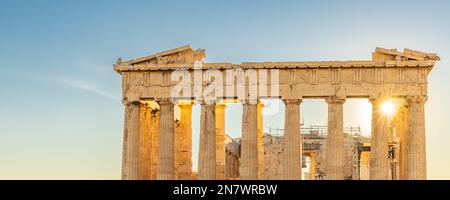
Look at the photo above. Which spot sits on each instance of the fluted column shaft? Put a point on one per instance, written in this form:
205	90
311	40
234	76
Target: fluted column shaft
313	158
154	124
220	141
379	161
185	168
165	170
261	167
145	142
249	143
400	123
131	166
416	138
207	152
292	144
335	140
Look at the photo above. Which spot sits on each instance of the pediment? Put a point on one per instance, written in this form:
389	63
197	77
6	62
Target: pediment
407	54
181	55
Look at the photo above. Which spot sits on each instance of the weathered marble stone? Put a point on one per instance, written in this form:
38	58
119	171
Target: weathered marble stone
150	150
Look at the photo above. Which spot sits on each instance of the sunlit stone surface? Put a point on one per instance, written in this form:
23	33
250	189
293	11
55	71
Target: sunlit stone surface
155	146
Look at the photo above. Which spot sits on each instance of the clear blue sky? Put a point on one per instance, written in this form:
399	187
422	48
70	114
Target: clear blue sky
60	112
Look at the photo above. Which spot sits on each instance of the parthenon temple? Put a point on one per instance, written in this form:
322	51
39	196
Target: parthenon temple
158	92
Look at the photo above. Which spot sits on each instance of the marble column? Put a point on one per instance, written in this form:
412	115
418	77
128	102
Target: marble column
358	164
249	142
416	138
165	170
154	124
207	151
292	143
177	154
261	168
185	165
313	157
220	141
334	163
400	122
131	143
145	143
379	161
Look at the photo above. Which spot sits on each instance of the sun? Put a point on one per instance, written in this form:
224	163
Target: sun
388	107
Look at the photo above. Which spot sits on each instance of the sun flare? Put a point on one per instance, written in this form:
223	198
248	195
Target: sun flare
388	107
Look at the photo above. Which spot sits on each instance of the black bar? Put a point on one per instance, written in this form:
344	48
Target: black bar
215	189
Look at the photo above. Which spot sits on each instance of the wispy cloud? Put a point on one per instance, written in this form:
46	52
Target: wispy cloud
86	86
80	84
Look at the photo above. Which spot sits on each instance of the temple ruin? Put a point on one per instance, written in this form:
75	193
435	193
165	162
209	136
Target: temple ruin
158	92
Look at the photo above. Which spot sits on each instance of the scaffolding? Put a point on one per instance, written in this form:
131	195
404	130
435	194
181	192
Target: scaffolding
320	130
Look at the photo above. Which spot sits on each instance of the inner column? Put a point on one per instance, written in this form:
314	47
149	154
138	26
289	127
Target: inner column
249	143
313	157
154	124
185	165
261	167
292	144
379	161
145	144
335	142
166	141
220	141
400	122
207	151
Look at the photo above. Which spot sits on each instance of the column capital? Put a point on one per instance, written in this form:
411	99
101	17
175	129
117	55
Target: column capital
164	101
185	105
335	100
127	102
376	101
207	102
250	101
292	101
416	99
260	104
221	106
145	106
